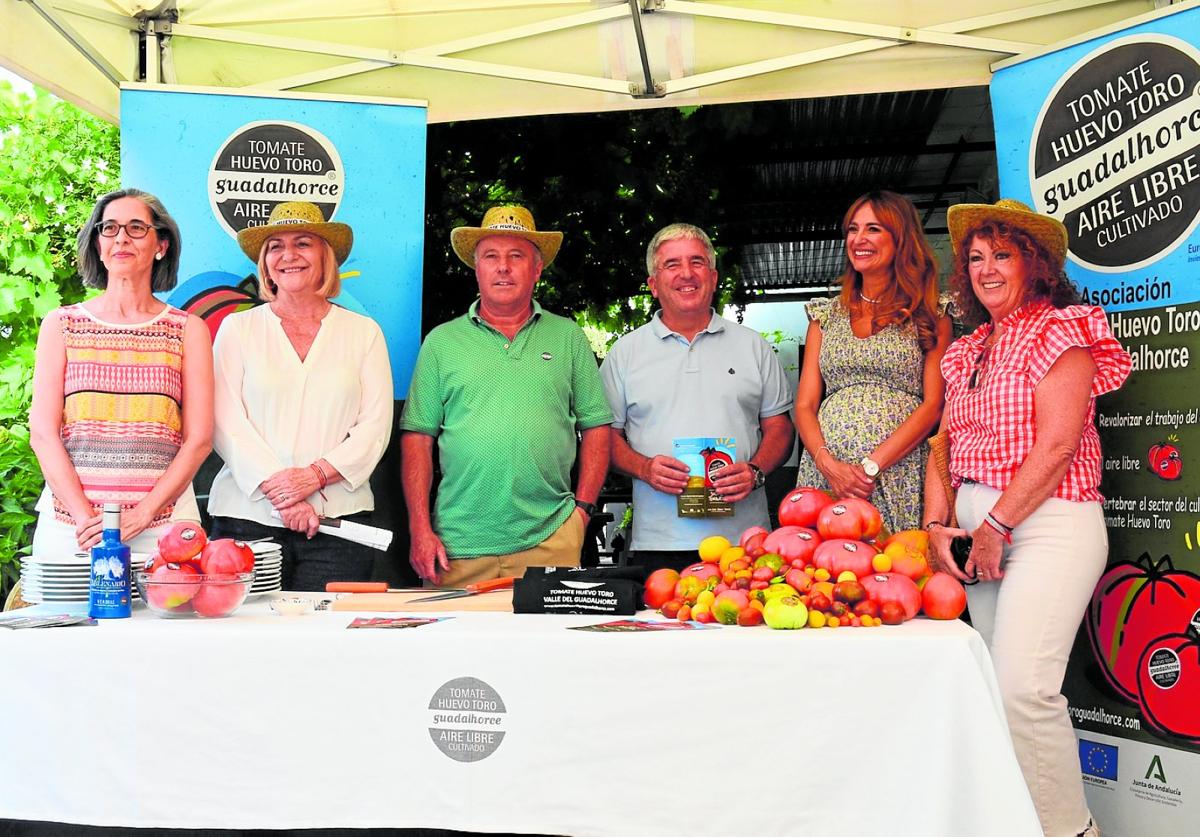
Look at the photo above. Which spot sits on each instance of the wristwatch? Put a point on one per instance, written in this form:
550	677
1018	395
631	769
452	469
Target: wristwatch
760	479
870	466
588	508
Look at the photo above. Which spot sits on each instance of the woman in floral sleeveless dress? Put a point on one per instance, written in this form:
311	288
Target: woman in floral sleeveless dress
870	389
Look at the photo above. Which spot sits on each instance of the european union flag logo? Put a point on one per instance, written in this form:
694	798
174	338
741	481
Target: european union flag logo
1096	759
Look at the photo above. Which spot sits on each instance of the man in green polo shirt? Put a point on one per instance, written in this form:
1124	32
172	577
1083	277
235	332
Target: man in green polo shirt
503	390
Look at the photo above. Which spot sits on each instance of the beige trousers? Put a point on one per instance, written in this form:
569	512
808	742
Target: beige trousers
561	549
1029	620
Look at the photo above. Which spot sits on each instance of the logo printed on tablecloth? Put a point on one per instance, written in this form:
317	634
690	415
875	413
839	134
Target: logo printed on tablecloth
466	719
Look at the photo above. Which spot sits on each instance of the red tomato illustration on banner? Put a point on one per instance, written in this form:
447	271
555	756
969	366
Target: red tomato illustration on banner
216	303
1169	684
1165	460
1134	603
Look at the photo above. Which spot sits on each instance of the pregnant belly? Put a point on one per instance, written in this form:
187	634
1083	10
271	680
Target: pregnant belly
868	412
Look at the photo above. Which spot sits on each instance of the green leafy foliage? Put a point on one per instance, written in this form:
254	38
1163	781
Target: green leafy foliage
608	181
55	160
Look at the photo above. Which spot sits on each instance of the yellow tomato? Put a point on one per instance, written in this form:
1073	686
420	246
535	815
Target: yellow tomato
729	556
713	547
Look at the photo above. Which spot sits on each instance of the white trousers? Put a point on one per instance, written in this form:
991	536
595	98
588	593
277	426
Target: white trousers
1029	620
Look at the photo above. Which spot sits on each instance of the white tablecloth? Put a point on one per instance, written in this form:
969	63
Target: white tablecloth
265	721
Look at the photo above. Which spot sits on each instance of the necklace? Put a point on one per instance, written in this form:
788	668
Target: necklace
866	298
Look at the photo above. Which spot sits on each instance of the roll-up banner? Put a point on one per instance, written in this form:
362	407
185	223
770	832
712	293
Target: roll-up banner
1105	136
221	161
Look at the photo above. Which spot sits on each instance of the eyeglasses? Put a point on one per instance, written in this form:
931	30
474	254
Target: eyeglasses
134	229
980	363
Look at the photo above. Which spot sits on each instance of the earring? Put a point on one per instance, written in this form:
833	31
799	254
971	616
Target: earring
158	256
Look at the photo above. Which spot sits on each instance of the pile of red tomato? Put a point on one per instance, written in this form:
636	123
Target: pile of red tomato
825	566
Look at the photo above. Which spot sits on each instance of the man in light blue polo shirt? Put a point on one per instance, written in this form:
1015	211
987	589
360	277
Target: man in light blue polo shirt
688	374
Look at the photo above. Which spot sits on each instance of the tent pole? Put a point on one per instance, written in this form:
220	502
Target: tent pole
76	40
152	53
651	90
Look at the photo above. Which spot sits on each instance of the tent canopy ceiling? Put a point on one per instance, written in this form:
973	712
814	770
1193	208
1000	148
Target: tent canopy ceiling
473	59
862	95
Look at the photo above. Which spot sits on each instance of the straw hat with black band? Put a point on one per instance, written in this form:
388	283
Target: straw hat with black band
1049	232
297	216
505	220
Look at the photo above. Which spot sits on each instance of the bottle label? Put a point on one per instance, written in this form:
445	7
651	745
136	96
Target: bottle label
109	589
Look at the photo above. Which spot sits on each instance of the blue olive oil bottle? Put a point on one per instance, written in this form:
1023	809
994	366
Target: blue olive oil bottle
109	591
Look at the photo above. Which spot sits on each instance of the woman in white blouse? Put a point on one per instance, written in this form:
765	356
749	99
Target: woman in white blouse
303	403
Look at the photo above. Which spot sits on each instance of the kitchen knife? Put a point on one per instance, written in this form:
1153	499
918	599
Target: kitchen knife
367	587
505	583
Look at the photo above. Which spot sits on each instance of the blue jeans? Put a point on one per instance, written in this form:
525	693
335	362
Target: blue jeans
307	564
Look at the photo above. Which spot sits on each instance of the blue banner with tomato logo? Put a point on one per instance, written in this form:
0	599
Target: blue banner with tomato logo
1105	136
221	161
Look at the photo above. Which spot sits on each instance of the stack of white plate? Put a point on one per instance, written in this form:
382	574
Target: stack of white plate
268	568
65	578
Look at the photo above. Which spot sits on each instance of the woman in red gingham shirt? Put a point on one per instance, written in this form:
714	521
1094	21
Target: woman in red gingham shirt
992	422
1025	456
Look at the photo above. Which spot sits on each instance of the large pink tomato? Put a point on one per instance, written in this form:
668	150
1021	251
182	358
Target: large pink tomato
702	570
850	518
802	505
172	585
892	587
225	556
750	533
219	596
943	597
182	542
796	543
841	554
1134	603
660	587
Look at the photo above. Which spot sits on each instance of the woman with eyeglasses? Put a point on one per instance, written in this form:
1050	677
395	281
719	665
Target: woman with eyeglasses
1025	454
870	392
122	387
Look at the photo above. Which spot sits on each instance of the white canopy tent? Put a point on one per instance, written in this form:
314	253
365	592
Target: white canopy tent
473	59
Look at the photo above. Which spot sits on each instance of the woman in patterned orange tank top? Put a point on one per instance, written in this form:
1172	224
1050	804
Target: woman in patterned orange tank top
122	386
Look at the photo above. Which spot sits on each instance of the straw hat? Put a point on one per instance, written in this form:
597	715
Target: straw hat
1047	231
297	216
505	220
